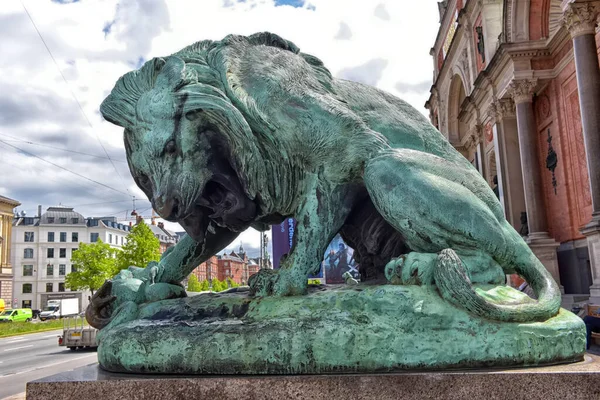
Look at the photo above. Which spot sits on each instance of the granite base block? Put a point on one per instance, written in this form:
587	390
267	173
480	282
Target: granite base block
579	381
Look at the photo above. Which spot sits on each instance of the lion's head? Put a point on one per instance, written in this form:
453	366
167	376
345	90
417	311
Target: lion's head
196	141
182	138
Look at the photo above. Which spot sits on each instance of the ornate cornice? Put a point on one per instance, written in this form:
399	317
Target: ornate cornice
522	90
581	18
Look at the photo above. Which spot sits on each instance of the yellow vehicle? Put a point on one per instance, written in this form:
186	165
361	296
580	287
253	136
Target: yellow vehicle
16	315
2	305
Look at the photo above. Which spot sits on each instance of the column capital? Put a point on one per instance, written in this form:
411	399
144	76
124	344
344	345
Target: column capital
500	109
522	90
581	18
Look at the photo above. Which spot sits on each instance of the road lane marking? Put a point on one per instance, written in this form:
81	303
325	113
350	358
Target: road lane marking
20	347
55	335
47	365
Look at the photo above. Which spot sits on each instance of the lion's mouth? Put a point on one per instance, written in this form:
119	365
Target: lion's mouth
223	204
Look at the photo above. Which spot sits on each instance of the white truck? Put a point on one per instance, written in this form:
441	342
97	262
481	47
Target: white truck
60	308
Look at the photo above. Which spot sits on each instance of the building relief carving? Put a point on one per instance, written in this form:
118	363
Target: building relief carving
581	18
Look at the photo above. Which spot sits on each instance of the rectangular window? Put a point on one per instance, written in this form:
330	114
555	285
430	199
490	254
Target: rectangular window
29	236
121	240
93	237
51	236
63	236
62	269
26	304
27	270
110	238
63	220
61	286
50	220
74	237
28	253
73	268
50	253
50	270
62	253
27	288
75	220
48	287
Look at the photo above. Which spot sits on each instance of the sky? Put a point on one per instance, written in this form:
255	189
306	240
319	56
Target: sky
51	86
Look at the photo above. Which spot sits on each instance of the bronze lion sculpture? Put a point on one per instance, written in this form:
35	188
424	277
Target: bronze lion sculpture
246	131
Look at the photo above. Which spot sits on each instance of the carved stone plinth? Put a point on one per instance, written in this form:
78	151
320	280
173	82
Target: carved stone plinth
333	329
592	232
544	247
574	382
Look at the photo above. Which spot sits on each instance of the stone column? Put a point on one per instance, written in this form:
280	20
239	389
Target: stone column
506	146
581	19
539	240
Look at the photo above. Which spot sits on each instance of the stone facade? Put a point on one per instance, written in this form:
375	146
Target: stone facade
6	272
517	91
42	247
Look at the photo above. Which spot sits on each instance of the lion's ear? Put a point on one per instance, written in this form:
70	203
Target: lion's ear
171	76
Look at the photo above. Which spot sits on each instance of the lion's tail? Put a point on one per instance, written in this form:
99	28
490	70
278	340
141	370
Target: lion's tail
455	286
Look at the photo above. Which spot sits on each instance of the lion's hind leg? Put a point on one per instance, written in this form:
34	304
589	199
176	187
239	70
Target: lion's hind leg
436	204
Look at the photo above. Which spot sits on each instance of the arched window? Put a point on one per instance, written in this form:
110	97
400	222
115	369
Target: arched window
28	253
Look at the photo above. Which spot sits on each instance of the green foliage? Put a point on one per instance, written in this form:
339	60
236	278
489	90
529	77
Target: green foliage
204	286
193	284
141	248
219	286
314	282
231	283
94	263
19	328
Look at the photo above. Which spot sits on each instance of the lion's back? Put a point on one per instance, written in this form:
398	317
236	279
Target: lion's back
398	121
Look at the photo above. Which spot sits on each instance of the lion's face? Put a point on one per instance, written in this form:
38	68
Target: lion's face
180	159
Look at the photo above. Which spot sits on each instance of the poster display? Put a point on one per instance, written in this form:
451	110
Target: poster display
338	257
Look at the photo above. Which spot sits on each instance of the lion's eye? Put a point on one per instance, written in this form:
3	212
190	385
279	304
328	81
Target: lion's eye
193	115
170	147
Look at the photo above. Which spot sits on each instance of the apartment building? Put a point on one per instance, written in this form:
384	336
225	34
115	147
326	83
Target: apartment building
42	248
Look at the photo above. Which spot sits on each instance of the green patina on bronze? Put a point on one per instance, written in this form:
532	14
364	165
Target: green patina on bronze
244	132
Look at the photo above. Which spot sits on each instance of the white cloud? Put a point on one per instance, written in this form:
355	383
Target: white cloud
94	43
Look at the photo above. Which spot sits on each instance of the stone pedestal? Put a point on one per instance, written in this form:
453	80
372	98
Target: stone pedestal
544	247
592	232
574	382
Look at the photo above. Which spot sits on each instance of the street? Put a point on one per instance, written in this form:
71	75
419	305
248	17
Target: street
29	357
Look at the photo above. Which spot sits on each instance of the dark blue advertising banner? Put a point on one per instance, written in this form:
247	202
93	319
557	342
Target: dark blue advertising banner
338	257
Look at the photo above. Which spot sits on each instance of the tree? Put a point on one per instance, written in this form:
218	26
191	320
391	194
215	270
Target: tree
204	286
141	248
93	264
193	284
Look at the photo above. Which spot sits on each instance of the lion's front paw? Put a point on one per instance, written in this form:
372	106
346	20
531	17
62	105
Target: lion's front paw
412	269
281	282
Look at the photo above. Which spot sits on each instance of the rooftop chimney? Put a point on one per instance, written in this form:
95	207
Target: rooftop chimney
39	211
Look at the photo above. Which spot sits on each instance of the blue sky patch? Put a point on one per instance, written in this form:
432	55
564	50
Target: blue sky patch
293	3
65	1
107	28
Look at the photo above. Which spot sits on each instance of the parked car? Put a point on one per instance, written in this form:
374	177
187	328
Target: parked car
16	315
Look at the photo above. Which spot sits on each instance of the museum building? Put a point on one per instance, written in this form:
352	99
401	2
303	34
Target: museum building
517	91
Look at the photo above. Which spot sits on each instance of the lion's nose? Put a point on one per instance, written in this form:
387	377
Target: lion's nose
168	207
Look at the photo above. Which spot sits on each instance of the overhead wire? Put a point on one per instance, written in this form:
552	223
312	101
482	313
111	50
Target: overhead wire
74	96
13	139
63	168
